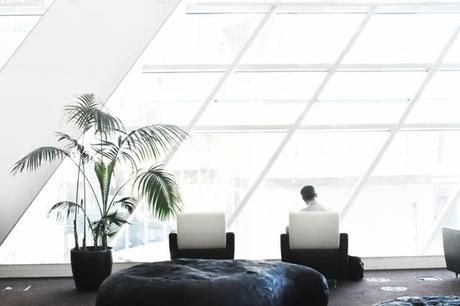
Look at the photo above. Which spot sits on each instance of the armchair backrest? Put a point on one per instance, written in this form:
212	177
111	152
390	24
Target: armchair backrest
201	231
314	230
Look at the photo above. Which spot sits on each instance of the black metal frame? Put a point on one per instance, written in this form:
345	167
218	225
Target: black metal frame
332	264
218	253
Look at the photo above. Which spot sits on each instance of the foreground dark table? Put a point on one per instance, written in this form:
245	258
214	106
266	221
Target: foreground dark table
191	282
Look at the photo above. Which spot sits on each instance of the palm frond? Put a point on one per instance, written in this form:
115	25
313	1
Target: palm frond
106	148
37	157
73	144
64	207
160	192
109	225
151	142
127	203
86	114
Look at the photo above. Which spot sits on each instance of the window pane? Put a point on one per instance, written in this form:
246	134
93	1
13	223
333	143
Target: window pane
443	85
407	190
435	111
403	38
364	98
453	56
200	38
173	98
440	102
373	85
262	99
304	38
349	112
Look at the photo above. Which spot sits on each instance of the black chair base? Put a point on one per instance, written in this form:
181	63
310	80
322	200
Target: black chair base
227	253
332	264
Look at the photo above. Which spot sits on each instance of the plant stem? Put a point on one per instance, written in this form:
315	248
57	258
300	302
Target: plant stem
75	233
103	136
84	209
119	190
90	186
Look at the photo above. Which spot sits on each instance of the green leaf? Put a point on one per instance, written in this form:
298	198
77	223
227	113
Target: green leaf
109	225
104	175
127	203
37	157
150	142
73	144
106	149
87	114
67	207
160	192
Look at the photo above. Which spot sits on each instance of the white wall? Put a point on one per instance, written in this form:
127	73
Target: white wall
79	46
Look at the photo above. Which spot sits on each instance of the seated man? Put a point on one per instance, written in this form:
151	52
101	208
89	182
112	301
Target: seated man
309	195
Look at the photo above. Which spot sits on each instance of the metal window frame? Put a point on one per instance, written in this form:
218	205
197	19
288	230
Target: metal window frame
230	69
283	128
326	7
410	106
298	122
329	69
273	68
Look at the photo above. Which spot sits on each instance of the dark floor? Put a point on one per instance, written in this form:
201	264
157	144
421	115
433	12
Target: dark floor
367	293
60	291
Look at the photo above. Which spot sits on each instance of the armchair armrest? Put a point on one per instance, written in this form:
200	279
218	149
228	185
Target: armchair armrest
285	248
230	246
343	247
173	248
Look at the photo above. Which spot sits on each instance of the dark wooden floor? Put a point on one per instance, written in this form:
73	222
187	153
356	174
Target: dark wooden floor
368	293
60	291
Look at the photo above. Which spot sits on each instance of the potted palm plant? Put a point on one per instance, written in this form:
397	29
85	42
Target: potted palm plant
101	206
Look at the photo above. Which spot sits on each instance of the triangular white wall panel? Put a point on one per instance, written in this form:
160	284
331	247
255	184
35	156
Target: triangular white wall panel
79	46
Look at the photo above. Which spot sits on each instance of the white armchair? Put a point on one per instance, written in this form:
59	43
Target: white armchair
314	241
201	235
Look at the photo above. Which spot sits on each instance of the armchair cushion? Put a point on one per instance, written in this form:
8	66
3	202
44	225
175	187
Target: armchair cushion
314	230
201	230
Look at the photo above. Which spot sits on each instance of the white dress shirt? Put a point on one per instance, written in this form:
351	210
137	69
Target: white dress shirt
314	205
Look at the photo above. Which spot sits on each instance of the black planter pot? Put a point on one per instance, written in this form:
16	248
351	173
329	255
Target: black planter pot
90	267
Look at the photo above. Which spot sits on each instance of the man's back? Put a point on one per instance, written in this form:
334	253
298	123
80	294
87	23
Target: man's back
314	206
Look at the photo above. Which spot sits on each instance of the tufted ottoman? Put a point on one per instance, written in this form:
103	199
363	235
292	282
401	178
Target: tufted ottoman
192	282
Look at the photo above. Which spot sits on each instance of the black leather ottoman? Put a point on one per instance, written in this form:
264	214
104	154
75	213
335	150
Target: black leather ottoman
196	282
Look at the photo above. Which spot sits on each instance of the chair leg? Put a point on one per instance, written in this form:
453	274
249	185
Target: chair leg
456	275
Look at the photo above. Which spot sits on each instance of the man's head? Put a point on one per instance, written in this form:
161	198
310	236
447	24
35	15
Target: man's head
308	193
